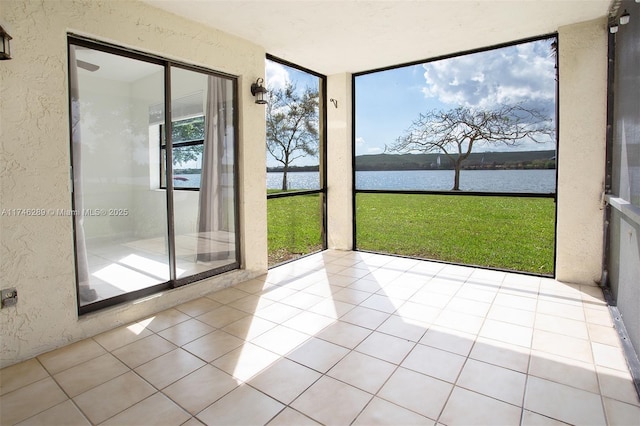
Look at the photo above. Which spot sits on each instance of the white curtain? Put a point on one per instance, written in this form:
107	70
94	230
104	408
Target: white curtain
213	218
85	292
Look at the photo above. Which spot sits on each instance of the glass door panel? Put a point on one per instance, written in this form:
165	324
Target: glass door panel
120	219
203	171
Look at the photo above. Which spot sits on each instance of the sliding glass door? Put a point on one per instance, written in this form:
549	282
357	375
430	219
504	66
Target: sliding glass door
154	204
203	161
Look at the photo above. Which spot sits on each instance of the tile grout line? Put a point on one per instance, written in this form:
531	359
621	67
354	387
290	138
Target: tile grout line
371	331
50	376
455	383
595	366
352	350
526	377
161	391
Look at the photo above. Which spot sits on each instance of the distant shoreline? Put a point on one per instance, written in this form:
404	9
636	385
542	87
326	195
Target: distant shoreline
516	160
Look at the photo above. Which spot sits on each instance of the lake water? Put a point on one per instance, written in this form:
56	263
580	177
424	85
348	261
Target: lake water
186	181
535	181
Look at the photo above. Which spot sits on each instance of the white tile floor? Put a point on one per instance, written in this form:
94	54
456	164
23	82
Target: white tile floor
123	266
344	338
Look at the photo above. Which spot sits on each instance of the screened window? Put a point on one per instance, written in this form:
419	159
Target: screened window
296	204
455	158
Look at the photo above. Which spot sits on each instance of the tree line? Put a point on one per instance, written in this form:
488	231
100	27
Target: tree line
476	161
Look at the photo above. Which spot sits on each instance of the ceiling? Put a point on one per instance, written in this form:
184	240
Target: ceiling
330	37
115	67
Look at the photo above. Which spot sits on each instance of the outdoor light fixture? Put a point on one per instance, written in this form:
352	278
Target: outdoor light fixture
613	28
5	48
624	18
258	90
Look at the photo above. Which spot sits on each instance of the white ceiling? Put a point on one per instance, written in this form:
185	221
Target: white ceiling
116	67
331	37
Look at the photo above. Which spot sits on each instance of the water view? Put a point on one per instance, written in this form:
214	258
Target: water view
191	180
533	181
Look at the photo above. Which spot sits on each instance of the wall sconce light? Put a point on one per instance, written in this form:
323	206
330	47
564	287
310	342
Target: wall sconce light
258	90
613	28
624	18
5	48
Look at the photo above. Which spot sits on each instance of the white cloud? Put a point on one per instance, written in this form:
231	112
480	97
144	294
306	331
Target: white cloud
277	75
521	73
362	147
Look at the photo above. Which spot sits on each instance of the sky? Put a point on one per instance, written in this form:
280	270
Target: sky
277	76
387	102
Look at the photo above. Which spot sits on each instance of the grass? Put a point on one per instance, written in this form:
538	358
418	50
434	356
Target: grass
294	227
500	232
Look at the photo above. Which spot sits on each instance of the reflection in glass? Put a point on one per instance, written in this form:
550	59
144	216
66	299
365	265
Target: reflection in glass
132	233
121	225
188	145
204	220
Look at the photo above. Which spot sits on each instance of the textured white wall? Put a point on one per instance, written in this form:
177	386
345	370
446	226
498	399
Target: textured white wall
581	151
36	253
339	154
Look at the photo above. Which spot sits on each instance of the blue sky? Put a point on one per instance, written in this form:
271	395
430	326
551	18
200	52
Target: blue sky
277	76
387	102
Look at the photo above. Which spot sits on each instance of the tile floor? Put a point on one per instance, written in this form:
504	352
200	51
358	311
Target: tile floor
121	266
342	338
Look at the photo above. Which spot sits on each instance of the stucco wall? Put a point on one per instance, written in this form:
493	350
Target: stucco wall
339	154
36	253
581	151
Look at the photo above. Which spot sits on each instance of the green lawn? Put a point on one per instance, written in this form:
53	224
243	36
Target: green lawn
500	232
294	227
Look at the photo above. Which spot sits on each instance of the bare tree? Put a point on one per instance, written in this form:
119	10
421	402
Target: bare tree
292	125
456	132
